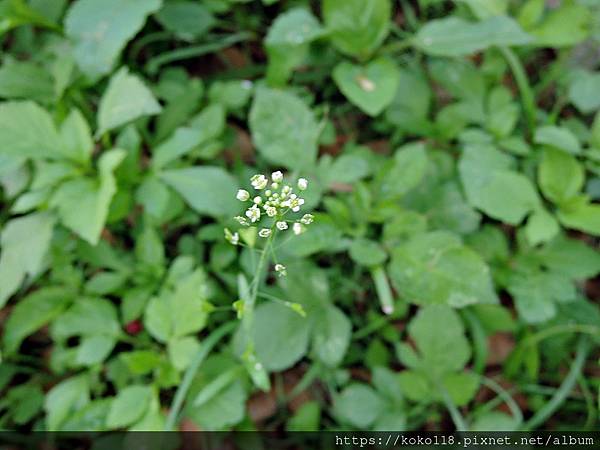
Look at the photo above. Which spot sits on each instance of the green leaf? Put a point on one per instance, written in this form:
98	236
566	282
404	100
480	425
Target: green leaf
26	80
283	129
570	257
306	418
371	87
76	138
26	130
454	36
100	29
187	20
584	92
128	406
25	242
181	142
541	227
560	176
180	312
182	351
357	27
582	216
287	43
440	339
126	98
65	399
83	202
208	190
535	294
31	313
564	26
358	405
436	267
491	186
87	317
331	335
483	9
410	106
280	336
557	137
461	387
367	253
405	173
227	406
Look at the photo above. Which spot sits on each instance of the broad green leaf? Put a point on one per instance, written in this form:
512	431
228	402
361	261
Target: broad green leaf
541	227
128	406
181	142
357	27
180	312
26	130
570	257
126	98
208	190
25	242
436	267
182	351
535	294
494	421
100	29
461	387
92	417
31	313
65	399
287	43
403	173
557	137
76	137
440	339
584	92
187	20
224	409
280	336
491	186
331	335
83	203
564	26
232	94
410	106
367	252
371	87
453	36
560	176
87	317
14	13
306	418
26	80
582	216
359	405
283	129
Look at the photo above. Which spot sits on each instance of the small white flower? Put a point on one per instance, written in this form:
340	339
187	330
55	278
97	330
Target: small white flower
280	269
253	213
298	228
232	238
277	176
281	225
259	181
265	232
296	203
286	189
242	220
257	200
307	219
242	195
271	212
302	184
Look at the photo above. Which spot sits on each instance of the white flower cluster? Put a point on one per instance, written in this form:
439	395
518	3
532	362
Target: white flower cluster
279	199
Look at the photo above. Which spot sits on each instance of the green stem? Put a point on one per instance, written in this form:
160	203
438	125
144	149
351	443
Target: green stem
457	418
384	293
527	96
565	388
510	402
194	51
205	347
248	318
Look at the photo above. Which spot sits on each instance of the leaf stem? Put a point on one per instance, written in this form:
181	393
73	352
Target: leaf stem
527	96
457	418
205	347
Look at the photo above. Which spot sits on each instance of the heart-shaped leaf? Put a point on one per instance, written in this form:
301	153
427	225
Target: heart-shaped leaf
371	87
